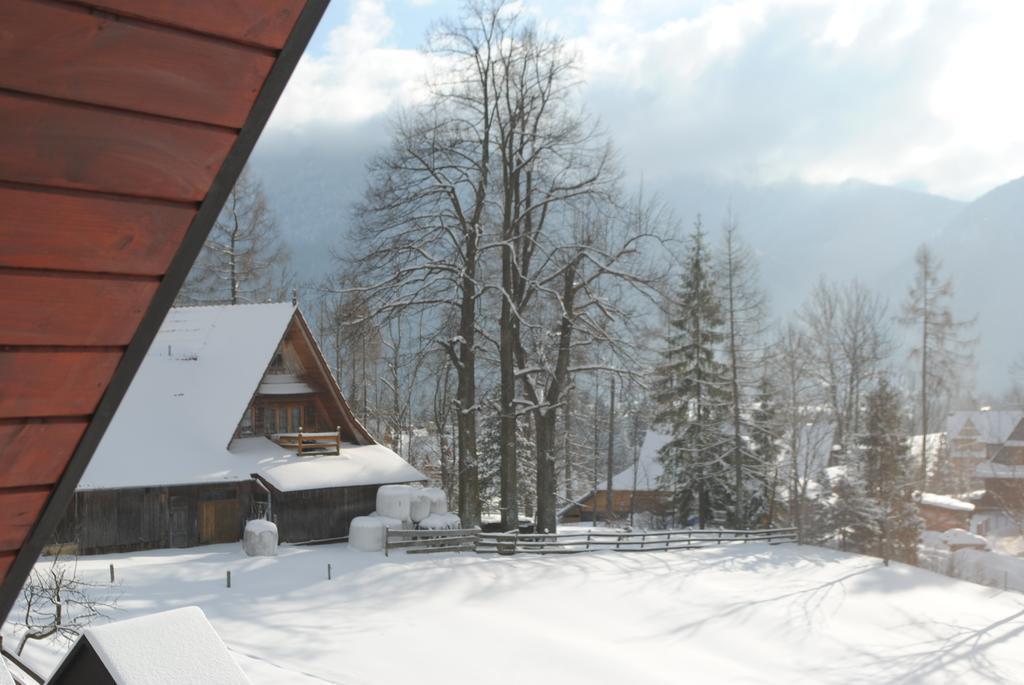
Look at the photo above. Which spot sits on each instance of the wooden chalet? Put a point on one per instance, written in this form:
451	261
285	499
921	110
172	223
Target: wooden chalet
634	490
942	512
974	438
1003	476
233	415
125	125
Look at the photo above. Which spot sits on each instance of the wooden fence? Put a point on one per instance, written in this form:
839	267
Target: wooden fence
426	541
473	540
305	443
653	541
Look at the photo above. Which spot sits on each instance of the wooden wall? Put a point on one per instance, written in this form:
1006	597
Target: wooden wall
646	501
116	115
320	514
134	519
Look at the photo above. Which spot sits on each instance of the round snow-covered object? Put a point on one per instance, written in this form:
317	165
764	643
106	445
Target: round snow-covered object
395	501
419	506
367	533
260	538
443	521
438	500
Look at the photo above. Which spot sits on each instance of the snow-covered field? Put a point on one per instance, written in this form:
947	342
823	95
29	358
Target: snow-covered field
742	614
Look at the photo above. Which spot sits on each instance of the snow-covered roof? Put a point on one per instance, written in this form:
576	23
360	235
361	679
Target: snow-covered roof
944	502
648	466
177	419
961	538
171	647
991	469
993	426
355	465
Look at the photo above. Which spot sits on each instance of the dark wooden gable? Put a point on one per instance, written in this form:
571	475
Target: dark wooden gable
125	123
317	374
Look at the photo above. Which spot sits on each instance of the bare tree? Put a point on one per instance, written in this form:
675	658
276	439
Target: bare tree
743	308
941	351
243	259
59	602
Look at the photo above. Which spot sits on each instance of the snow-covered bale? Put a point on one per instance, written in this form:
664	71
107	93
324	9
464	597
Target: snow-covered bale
438	500
960	538
419	506
395	501
443	521
260	538
367	533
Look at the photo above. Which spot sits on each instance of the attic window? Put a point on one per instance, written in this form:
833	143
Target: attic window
277	363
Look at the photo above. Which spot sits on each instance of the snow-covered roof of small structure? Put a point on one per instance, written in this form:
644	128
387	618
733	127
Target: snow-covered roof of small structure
961	538
931	499
176	422
994	426
990	469
648	465
167	648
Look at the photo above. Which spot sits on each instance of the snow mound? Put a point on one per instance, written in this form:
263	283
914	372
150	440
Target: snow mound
366	533
260	538
170	647
958	537
395	501
944	502
989	568
443	521
419	506
438	500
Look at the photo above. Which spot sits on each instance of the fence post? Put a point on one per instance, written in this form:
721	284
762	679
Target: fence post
111	573
229	578
328	571
515	542
643	540
387	539
588	541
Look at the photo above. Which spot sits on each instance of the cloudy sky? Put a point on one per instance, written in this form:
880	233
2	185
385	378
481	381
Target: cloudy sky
924	94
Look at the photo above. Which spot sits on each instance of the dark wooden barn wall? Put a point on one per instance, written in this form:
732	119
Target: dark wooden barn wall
134	519
120	119
320	514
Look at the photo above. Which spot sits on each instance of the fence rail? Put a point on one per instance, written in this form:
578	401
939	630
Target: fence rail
427	541
473	540
654	541
304	443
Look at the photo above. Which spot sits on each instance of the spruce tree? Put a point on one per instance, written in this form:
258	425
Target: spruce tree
692	392
889	476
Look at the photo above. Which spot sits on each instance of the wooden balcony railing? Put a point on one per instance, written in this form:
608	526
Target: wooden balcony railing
310	443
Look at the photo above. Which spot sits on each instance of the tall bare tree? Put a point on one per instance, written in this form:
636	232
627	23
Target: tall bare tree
743	309
942	351
243	259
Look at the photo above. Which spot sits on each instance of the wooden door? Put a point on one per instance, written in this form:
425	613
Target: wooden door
218	521
179	523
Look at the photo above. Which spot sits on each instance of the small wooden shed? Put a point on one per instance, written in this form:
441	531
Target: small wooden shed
170	647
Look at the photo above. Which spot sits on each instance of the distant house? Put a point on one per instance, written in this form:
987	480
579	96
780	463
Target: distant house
633	490
941	512
1003	476
974	437
233	415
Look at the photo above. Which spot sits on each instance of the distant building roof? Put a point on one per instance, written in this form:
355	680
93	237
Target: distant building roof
176	422
993	426
648	466
930	499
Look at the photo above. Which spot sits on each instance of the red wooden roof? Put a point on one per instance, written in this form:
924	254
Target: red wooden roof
124	123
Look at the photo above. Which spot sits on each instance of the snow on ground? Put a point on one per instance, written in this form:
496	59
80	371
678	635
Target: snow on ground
735	614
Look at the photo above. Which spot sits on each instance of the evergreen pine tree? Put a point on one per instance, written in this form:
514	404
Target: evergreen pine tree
854	514
693	393
889	476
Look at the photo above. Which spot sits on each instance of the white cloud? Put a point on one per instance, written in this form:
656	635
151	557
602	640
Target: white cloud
918	92
359	77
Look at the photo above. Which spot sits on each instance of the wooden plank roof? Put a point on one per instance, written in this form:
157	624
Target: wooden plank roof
125	125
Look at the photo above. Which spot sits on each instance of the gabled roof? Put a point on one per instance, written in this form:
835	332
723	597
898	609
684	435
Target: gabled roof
648	466
993	426
176	422
121	142
170	647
